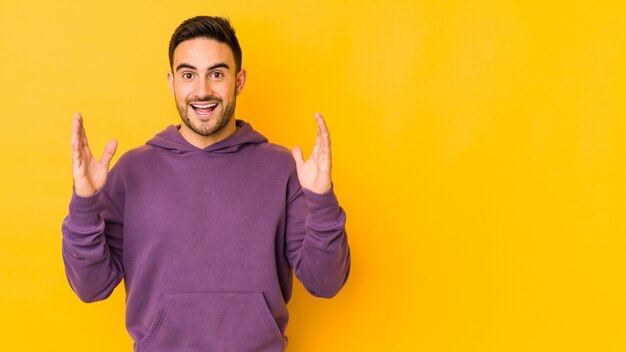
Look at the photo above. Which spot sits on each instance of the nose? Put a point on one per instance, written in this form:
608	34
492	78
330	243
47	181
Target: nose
204	88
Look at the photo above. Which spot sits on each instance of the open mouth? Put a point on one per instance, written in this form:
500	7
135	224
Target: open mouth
203	109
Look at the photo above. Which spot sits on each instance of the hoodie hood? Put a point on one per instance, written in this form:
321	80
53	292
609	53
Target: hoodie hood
172	140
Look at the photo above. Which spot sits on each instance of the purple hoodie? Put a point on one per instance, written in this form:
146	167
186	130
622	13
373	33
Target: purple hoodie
205	240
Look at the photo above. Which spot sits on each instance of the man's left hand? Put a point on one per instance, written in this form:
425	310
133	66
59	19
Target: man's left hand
314	173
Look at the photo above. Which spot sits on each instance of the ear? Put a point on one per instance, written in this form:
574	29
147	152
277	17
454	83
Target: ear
241	80
170	81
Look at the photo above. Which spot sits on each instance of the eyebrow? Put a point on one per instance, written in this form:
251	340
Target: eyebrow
191	67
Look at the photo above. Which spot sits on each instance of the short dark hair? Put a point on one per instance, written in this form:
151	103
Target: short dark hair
216	28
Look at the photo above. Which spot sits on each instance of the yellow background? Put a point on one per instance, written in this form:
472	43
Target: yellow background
479	150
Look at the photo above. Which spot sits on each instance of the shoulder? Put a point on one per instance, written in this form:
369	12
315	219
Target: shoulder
275	154
136	158
279	161
131	168
135	155
274	150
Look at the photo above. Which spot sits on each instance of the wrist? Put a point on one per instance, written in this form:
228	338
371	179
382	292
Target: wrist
319	189
84	191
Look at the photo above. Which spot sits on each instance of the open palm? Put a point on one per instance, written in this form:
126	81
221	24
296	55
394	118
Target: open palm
315	172
89	173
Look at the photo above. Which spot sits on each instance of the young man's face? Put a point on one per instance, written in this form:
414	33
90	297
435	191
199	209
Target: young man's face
205	86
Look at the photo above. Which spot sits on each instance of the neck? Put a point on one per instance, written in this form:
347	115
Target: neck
200	141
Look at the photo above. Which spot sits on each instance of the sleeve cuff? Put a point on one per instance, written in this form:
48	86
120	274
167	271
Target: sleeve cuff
84	211
324	208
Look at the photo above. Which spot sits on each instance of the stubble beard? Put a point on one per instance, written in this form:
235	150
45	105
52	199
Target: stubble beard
221	120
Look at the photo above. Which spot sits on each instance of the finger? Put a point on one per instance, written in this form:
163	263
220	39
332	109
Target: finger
108	153
318	116
81	127
323	129
75	144
296	152
317	146
83	137
323	138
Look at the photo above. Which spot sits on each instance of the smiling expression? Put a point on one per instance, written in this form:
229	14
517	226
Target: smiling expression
205	87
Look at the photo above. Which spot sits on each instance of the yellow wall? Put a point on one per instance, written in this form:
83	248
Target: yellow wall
479	150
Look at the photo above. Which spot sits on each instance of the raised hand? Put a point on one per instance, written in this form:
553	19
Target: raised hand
314	173
89	173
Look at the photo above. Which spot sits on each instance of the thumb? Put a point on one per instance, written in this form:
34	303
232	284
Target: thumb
296	152
108	153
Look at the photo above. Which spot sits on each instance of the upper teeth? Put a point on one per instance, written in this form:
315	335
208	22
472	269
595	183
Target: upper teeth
204	106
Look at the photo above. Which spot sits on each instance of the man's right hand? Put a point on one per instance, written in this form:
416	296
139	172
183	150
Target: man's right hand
89	173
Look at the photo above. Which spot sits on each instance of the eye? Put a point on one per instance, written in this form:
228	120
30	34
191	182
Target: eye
187	75
217	74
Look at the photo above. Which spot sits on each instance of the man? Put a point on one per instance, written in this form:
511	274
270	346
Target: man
205	222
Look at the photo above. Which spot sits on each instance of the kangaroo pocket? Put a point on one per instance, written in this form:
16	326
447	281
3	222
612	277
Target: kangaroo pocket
213	321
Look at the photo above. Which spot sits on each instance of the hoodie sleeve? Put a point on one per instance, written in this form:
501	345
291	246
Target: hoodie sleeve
317	244
92	246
